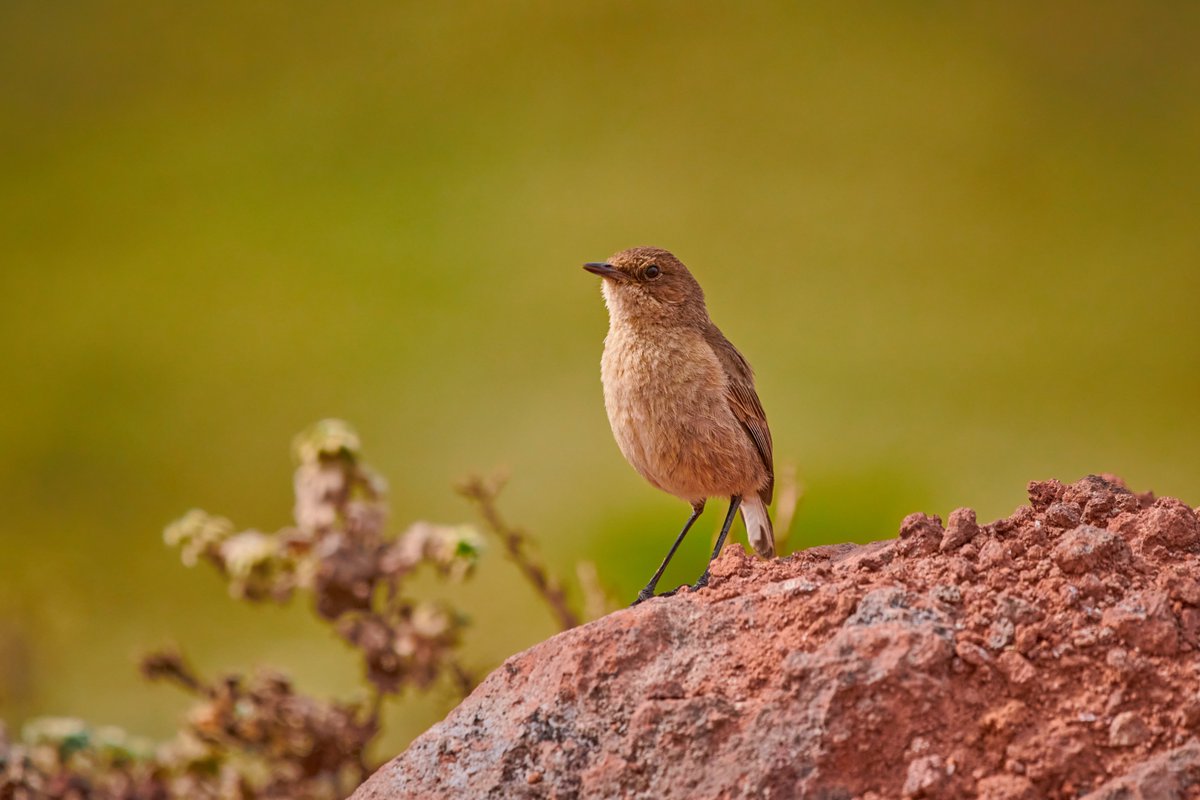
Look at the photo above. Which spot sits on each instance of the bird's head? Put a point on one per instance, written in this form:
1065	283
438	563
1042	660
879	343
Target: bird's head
648	284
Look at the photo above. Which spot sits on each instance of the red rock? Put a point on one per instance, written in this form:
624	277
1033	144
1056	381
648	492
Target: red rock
1100	498
1144	620
1006	787
961	529
1166	775
1182	588
1087	548
920	534
1015	667
1127	730
1171	524
927	777
1043	493
865	672
1063	515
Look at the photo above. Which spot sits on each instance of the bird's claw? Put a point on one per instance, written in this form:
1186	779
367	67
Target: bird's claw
648	593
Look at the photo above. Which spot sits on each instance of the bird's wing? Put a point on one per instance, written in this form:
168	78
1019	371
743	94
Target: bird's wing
744	402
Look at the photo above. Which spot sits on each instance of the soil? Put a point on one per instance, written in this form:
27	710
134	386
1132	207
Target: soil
1051	654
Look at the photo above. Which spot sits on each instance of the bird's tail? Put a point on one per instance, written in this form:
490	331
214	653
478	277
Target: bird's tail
758	526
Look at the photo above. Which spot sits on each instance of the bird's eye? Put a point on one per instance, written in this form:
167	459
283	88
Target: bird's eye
652	271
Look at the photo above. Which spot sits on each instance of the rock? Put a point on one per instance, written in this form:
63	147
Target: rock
1100	497
1165	776
985	668
1006	787
1088	548
1063	515
1127	730
1181	588
1016	668
1044	493
926	777
993	555
1144	620
1171	524
961	529
920	534
1000	635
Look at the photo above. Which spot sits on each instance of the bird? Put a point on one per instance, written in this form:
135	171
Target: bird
681	400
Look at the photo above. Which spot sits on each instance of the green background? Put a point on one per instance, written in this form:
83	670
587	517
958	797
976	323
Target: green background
958	242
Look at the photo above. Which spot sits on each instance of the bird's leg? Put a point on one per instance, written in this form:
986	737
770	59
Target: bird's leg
734	502
648	592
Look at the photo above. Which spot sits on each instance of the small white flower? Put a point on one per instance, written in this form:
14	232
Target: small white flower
244	551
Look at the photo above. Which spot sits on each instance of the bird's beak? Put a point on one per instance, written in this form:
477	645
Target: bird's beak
604	270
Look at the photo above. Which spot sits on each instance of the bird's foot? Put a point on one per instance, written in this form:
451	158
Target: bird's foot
647	593
643	596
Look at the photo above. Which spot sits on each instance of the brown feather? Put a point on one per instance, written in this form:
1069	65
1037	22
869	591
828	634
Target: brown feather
744	402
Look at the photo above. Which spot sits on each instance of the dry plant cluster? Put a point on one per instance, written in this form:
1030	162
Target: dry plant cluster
256	736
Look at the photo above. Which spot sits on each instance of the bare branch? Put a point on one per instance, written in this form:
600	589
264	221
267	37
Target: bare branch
790	493
483	494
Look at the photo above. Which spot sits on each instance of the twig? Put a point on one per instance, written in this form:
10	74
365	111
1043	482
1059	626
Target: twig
463	680
376	713
169	664
514	540
791	491
596	600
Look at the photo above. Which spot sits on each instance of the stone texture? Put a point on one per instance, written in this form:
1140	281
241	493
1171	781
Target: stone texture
1173	775
1027	658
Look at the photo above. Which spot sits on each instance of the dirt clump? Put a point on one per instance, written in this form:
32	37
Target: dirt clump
1051	654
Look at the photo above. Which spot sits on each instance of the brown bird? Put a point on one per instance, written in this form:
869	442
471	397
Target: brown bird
681	399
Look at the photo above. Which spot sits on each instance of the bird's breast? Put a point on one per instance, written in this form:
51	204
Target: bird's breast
665	393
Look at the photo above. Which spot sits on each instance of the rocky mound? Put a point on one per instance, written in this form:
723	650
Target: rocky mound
1052	654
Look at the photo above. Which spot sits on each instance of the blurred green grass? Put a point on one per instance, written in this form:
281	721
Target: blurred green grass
957	241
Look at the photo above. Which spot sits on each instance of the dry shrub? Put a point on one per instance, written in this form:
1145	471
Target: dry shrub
256	736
